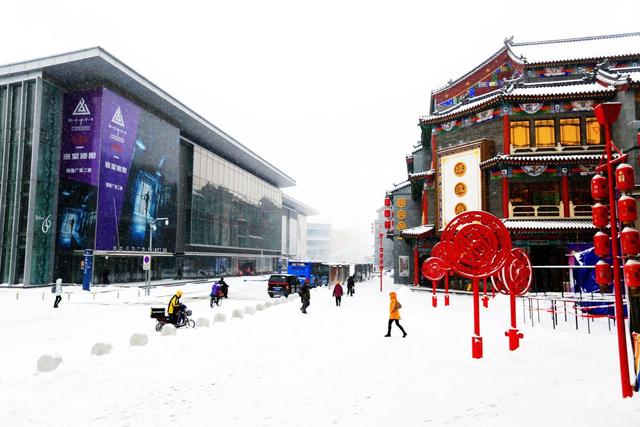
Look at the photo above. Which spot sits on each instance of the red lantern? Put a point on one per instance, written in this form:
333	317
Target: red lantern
387	213
627	210
387	201
600	215
604	274
625	179
632	273
630	241
387	224
601	244
599	187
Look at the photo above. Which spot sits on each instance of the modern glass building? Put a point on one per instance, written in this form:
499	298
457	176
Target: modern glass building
94	158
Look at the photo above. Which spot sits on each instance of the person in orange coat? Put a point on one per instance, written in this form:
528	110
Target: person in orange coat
394	314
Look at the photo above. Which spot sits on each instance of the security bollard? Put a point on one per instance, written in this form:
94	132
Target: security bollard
514	338
446	299
485	301
434	301
476	347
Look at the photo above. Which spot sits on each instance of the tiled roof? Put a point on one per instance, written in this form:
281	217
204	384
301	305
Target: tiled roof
576	49
421	175
416	149
618	76
548	159
402	185
477	68
548	225
418	231
458	110
564	90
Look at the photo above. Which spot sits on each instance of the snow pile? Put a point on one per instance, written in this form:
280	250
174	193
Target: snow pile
237	314
249	310
282	300
48	362
168	330
219	317
101	348
267	304
259	307
202	322
138	340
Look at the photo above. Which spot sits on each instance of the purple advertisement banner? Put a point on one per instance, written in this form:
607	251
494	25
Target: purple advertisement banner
80	156
119	127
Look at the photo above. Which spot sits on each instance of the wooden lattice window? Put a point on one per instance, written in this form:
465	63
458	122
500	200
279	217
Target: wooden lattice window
545	133
520	133
594	136
570	131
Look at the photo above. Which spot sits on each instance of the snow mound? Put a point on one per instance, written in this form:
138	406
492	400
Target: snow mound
219	317
168	330
48	362
267	304
237	313
138	340
202	322
101	348
259	307
281	300
249	310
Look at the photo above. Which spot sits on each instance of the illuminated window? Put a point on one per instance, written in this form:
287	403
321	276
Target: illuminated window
545	133
593	131
520	133
570	131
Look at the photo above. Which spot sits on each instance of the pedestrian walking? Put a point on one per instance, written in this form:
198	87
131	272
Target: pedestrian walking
224	287
394	314
58	291
337	292
216	293
350	286
305	296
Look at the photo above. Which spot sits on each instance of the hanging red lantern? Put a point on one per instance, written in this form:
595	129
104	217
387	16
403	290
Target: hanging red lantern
599	187
630	241
600	215
632	273
387	201
387	213
627	210
604	274
387	224
601	244
625	179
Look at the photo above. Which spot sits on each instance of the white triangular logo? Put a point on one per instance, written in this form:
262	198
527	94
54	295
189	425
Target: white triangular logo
81	109
117	117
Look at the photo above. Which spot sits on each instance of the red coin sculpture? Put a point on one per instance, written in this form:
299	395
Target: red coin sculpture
440	250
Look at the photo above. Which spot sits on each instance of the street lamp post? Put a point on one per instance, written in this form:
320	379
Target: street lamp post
152	228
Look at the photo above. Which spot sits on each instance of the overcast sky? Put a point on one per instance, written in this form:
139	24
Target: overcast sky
330	92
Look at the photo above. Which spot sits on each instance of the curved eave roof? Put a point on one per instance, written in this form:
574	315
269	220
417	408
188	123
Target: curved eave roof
421	175
549	159
477	104
583	49
619	77
470	73
80	69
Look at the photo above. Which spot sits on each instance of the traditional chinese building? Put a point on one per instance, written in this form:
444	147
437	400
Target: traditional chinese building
517	137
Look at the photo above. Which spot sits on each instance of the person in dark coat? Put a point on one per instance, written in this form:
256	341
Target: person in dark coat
305	296
337	292
224	287
350	286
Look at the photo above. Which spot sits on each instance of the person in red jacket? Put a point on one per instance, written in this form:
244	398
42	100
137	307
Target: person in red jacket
337	292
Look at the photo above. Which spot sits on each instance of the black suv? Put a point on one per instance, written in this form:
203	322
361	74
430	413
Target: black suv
283	284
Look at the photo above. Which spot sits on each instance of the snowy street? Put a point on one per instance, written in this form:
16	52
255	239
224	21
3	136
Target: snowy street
279	367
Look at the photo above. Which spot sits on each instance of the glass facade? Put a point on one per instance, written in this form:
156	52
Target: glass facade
231	207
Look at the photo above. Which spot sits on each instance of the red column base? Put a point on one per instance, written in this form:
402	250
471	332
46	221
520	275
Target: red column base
434	301
485	301
446	299
514	338
476	347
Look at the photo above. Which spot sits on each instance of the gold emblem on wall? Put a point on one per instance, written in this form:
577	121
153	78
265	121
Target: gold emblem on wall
401	214
460	207
460	189
401	202
460	169
401	225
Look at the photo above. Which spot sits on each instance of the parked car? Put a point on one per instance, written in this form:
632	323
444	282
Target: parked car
282	285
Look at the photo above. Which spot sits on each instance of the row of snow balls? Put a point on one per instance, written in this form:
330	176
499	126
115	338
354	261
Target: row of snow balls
50	362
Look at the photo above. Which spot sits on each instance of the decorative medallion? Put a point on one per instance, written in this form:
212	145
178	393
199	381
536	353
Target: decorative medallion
448	125
401	202
460	189
553	71
582	105
534	170
401	225
460	169
531	107
484	116
401	214
460	207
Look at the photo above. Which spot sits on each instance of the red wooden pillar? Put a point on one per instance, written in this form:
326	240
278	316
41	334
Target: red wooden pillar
506	138
425	205
565	194
433	151
416	265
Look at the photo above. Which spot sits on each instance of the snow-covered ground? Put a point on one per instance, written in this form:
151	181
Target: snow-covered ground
280	367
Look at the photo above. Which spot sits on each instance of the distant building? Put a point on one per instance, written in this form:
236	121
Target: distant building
319	241
294	228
